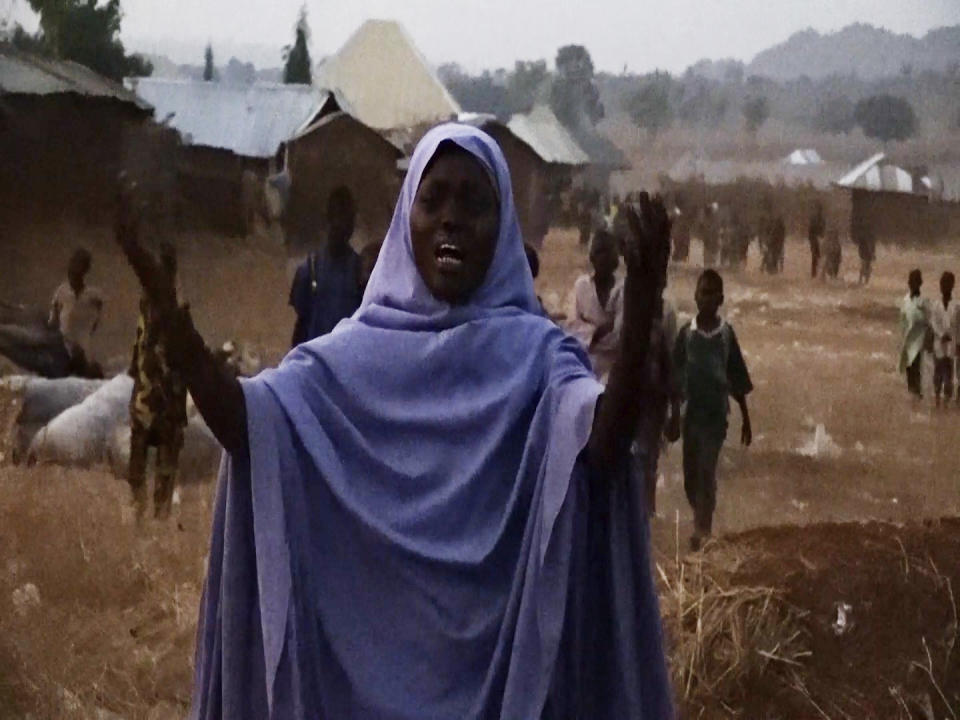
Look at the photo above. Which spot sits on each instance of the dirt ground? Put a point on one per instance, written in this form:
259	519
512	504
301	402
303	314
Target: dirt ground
97	619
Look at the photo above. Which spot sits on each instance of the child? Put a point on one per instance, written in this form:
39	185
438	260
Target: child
75	311
944	319
158	408
914	327
598	301
708	367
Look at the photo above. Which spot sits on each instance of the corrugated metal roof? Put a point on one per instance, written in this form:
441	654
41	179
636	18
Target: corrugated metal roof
386	80
542	131
874	174
25	74
248	120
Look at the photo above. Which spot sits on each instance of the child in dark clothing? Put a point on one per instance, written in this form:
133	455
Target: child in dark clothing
708	367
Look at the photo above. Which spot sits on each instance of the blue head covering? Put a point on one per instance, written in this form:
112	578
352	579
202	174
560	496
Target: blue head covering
414	534
396	283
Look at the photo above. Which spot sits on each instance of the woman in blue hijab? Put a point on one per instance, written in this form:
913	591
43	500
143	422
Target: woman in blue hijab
424	514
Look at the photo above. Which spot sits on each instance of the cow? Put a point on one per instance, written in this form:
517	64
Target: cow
42	400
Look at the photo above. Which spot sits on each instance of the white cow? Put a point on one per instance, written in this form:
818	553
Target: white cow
41	401
96	429
78	435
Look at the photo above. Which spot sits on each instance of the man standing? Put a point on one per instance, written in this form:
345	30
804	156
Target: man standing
326	287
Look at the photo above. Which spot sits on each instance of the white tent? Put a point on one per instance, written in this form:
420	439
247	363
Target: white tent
803	156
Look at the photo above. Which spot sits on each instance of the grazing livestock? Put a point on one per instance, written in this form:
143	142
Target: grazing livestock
41	401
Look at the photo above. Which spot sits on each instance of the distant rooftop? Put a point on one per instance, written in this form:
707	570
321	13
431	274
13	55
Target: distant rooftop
542	131
249	120
26	74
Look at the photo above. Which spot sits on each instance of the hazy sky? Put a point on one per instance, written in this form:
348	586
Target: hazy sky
493	33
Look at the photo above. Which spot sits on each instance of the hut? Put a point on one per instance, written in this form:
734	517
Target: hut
65	133
339	150
231	137
895	203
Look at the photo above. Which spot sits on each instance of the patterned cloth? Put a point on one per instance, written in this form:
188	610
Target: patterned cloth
159	401
158	414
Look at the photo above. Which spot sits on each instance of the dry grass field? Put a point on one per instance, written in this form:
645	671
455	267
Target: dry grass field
97	617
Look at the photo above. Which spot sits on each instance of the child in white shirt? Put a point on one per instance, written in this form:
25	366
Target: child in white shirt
944	319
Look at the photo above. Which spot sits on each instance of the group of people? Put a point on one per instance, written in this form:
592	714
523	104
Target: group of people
698	368
930	327
726	236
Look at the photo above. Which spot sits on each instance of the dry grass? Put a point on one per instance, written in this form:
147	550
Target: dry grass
110	628
113	630
723	636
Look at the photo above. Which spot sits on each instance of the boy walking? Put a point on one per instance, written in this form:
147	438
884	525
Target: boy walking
709	368
944	319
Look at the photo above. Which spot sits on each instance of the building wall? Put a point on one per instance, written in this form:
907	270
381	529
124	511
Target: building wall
897	217
531	180
341	152
61	154
210	188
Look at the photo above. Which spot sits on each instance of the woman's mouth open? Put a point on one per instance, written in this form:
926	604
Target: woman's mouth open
449	257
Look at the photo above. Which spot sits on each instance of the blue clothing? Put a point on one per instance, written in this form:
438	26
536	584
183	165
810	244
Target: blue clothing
325	290
415	534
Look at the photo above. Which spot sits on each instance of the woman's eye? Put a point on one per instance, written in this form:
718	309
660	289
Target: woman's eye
430	199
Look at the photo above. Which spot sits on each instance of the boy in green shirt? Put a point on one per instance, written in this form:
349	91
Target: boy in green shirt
709	368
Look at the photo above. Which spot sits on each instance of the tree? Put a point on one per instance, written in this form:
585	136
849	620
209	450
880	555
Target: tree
649	107
87	33
484	93
700	101
835	115
756	110
886	117
525	83
208	70
296	67
574	95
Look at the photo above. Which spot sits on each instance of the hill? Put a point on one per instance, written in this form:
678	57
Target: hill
861	50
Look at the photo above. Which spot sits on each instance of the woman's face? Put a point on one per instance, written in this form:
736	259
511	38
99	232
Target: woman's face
454	224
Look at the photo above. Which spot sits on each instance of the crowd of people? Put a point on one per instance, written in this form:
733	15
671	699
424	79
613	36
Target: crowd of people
726	234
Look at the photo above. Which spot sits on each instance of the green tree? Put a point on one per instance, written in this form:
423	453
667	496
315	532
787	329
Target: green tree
208	69
756	110
835	115
649	107
700	101
296	58
484	93
525	83
574	95
886	117
87	32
